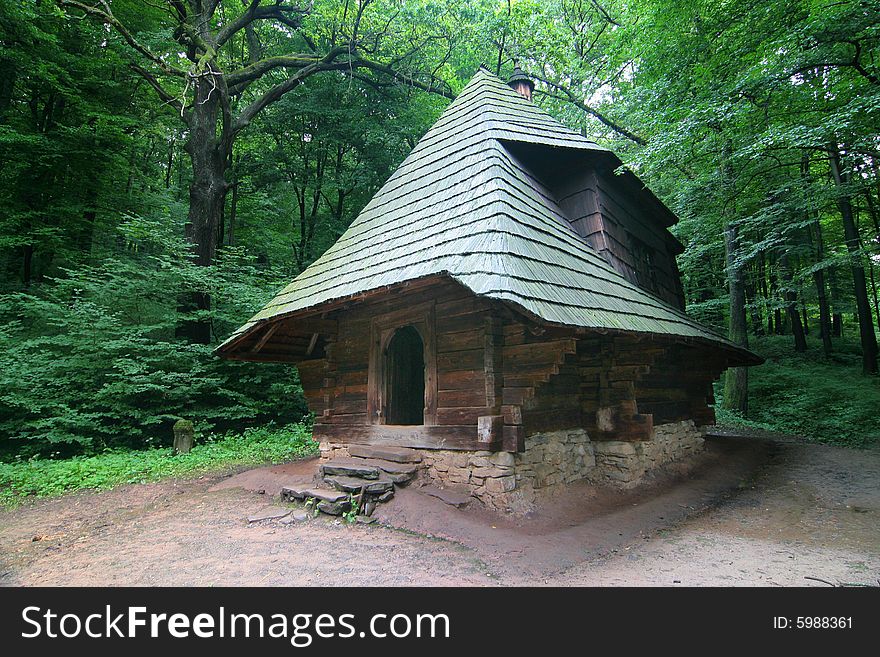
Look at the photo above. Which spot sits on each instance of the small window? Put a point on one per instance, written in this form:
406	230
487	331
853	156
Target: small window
405	378
643	259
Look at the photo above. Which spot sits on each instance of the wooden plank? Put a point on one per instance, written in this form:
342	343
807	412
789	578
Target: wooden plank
471	359
550	352
352	377
312	344
493	363
356	405
458	398
461	341
354	419
512	413
461	415
514	438
313	325
517	395
464	306
265	337
490	430
417	437
461	380
459	323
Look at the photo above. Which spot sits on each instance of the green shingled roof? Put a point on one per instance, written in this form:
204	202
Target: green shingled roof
461	205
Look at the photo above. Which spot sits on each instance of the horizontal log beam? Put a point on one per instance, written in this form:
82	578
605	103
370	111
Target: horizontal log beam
460	438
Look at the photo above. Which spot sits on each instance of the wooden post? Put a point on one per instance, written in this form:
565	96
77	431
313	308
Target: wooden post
183	437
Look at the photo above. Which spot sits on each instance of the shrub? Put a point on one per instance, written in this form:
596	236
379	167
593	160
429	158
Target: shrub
90	359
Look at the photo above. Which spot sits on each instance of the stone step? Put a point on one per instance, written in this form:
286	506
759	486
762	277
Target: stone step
399	479
396	454
333	508
350	468
354	484
297	493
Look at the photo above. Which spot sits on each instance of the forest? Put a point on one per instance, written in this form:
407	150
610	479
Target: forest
167	165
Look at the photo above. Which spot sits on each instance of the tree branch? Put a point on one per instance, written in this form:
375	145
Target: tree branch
397	76
568	96
262	66
166	97
329	63
106	16
326	63
287	15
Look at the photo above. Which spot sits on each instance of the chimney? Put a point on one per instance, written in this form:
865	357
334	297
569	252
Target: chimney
520	83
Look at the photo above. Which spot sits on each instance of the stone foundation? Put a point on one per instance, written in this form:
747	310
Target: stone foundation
330	451
625	464
513	482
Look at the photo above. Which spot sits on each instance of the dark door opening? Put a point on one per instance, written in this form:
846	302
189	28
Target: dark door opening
405	378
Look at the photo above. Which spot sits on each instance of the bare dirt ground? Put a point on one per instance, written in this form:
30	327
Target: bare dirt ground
751	512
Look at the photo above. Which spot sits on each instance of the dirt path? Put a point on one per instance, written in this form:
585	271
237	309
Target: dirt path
753	513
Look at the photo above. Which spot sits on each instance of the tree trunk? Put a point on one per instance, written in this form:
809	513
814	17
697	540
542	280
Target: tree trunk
765	293
851	234
754	307
814	235
27	259
797	329
873	212
206	198
8	74
736	382
825	330
169	165
233	212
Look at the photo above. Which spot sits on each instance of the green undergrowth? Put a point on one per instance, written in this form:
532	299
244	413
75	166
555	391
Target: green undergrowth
824	399
36	477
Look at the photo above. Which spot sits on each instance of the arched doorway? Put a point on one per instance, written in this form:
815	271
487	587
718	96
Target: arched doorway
405	377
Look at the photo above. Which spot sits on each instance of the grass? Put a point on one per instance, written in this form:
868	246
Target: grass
48	477
827	400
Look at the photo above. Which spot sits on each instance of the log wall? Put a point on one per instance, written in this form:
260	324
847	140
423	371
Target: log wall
501	377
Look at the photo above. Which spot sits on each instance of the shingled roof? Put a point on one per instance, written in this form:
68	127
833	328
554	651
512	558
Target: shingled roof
461	205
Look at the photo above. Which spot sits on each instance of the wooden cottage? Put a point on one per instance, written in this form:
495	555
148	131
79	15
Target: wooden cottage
508	305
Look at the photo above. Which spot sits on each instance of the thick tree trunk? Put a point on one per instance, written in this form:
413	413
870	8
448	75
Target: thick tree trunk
851	234
206	197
